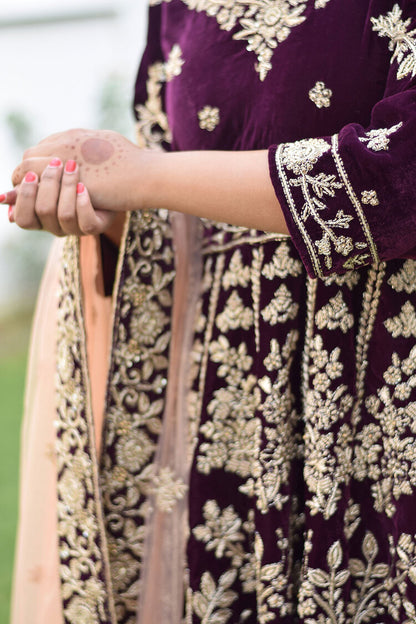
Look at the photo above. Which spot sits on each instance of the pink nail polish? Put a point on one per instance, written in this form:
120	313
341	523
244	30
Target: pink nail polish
2	198
30	176
80	188
70	166
55	162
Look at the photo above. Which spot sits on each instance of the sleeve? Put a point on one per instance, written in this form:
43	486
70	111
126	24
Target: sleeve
350	199
152	129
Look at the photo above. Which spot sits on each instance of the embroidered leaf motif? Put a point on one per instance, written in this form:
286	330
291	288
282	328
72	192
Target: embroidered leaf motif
404	324
152	127
211	601
335	315
402	40
405	279
281	308
378	138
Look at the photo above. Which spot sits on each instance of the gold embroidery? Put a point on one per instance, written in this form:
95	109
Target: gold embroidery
209	118
386	454
168	490
281	308
404	324
335	315
263	23
273	462
225	533
152	128
402	40
379	588
84	567
282	264
311	192
320	95
369	197
136	399
212	601
232	433
378	139
235	314
405	279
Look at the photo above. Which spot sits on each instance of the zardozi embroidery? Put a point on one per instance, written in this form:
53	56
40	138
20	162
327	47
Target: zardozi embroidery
152	127
308	196
402	40
320	95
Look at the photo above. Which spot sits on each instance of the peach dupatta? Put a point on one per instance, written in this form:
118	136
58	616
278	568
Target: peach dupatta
36	596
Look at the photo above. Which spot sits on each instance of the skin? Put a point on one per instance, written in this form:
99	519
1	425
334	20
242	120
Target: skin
232	187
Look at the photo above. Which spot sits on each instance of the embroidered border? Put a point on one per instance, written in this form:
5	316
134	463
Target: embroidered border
84	567
308	192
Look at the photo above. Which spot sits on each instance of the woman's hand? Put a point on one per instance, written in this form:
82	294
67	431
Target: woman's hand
108	164
57	202
228	186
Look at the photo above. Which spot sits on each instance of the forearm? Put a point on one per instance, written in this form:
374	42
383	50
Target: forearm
230	187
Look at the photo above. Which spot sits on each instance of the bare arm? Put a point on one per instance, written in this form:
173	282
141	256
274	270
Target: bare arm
232	187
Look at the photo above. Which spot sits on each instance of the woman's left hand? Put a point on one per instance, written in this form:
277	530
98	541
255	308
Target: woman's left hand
102	161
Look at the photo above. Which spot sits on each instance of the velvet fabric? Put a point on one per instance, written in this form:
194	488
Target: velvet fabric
293	373
303	398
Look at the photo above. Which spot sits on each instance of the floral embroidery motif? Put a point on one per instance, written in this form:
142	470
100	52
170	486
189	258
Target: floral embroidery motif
402	40
335	315
405	279
209	118
379	587
404	324
321	4
152	129
226	533
301	156
320	95
168	490
135	401
370	197
377	139
84	567
264	24
387	455
312	204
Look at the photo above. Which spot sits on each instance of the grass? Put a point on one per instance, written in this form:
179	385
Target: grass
14	336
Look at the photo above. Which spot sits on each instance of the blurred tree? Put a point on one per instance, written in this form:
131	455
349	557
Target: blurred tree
20	128
114	105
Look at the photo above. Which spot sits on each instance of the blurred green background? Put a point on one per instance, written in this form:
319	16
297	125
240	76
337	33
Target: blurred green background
14	336
23	256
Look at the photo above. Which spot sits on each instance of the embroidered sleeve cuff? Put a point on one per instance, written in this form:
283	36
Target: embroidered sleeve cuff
325	217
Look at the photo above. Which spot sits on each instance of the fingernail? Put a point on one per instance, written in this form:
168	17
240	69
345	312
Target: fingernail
70	166
30	176
80	188
2	198
55	162
10	214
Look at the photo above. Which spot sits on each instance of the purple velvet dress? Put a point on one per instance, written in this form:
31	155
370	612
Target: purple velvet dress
302	367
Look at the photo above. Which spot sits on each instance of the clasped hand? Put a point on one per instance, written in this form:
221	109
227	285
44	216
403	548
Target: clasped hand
73	182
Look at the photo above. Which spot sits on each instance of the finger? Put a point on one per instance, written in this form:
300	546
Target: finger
24	210
48	196
10	214
9	197
35	165
67	213
91	221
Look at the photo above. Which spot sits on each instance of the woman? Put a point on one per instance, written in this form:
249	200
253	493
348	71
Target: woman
257	457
